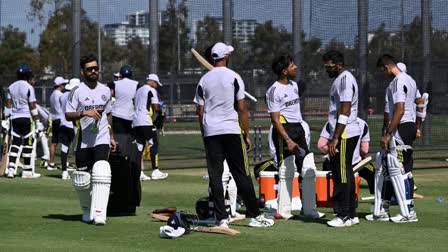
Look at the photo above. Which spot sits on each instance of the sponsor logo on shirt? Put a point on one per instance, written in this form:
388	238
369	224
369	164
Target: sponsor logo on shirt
291	103
90	107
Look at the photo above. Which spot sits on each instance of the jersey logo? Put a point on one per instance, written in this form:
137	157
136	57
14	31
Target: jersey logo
296	91
285	96
104	97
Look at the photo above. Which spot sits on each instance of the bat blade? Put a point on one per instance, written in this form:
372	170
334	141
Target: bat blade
361	164
217	230
4	155
160	217
165	210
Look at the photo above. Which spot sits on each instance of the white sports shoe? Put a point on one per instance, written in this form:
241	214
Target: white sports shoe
401	219
99	221
339	222
157	174
315	215
286	216
224	223
144	177
382	217
11	173
355	221
52	167
30	174
261	221
65	175
70	168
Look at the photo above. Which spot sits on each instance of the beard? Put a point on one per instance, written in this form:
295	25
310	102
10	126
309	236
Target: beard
91	77
333	74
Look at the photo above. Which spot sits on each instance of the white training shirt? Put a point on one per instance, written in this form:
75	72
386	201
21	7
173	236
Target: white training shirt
402	89
218	91
21	93
64	99
144	97
364	137
55	105
344	89
83	98
44	114
125	90
286	100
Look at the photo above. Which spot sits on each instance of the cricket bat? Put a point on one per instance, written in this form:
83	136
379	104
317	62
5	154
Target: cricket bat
209	66
361	164
160	217
165	210
217	230
4	155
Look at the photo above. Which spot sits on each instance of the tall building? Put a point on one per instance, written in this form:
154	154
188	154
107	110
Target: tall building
242	29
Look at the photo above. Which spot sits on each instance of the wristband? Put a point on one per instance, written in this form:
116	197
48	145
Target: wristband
34	112
343	119
81	114
286	138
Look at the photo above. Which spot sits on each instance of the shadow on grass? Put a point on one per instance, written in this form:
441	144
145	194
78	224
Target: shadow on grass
64	217
58	176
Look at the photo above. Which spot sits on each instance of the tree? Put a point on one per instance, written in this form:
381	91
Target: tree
208	34
14	51
175	23
138	55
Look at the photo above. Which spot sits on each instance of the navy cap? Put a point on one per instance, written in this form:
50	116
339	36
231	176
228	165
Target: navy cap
125	71
24	68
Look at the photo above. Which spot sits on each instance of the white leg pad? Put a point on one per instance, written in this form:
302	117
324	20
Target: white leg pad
229	186
379	181
399	180
309	186
101	179
286	174
45	149
81	182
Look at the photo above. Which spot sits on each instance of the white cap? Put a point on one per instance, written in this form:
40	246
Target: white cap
220	50
117	74
59	80
155	78
72	84
401	66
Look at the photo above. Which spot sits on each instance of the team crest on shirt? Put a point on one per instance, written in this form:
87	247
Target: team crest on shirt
104	97
285	96
296	91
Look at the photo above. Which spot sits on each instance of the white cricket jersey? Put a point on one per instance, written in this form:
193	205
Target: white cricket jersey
286	100
144	97
218	91
83	98
402	89
21	93
344	89
64	99
125	90
55	105
364	137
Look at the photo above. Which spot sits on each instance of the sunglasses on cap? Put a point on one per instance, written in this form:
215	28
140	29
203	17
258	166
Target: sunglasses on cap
92	68
329	65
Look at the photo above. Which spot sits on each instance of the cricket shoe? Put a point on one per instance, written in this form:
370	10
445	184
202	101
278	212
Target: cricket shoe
355	221
143	177
384	216
99	221
401	219
224	223
315	215
286	216
30	174
65	175
11	173
70	168
261	221
43	163
157	174
340	222
52	167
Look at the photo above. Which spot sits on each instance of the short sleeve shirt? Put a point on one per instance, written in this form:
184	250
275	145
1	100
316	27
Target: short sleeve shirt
286	100
83	98
402	89
144	97
218	91
55	105
21	93
344	89
64	99
125	90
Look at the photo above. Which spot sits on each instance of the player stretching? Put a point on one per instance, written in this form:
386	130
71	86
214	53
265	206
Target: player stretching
89	106
283	102
222	110
399	132
344	135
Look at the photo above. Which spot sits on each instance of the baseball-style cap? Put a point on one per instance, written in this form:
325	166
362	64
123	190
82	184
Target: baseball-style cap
125	70
24	68
155	78
402	67
72	84
59	80
220	50
117	74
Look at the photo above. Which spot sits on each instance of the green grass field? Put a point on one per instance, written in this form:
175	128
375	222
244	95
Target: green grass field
44	215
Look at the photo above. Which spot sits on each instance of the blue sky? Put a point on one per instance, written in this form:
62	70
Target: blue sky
325	19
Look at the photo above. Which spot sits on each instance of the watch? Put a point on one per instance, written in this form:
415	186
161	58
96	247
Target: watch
286	138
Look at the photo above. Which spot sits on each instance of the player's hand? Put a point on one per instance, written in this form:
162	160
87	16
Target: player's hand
384	141
418	133
113	145
248	144
291	145
332	147
94	113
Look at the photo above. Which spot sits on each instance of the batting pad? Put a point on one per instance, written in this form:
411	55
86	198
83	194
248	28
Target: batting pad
101	179
399	181
45	149
379	181
309	186
229	186
81	182
286	174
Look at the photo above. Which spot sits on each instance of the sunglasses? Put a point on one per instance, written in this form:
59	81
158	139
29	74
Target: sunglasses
329	65
93	68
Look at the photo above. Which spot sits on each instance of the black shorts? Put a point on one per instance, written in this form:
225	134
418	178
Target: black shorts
86	157
121	126
143	134
22	127
55	126
294	131
407	132
66	135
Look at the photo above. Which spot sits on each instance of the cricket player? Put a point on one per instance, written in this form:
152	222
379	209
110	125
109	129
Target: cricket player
55	113
401	121
25	123
344	134
146	104
283	103
223	118
89	107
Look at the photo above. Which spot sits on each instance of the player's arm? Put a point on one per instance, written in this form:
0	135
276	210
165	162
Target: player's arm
322	145
418	121
340	126
200	113
278	126
243	117
113	145
398	114
385	123
7	111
